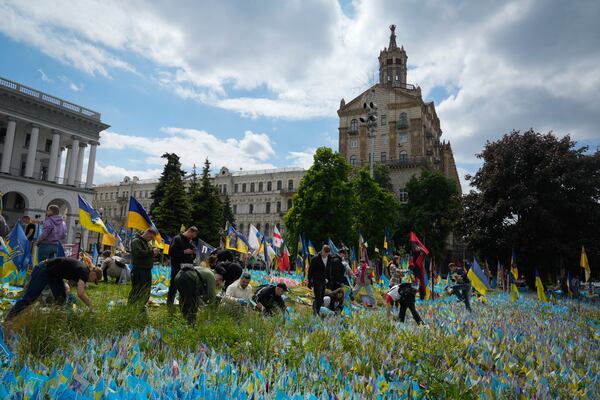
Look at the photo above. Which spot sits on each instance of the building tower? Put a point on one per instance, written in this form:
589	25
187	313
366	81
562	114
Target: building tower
392	63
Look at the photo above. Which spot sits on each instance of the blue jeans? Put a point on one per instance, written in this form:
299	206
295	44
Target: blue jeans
39	279
47	251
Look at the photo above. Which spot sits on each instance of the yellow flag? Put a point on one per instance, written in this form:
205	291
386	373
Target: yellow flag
585	264
514	292
182	229
476	282
540	289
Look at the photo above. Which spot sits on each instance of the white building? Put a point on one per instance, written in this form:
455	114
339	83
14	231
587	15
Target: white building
35	171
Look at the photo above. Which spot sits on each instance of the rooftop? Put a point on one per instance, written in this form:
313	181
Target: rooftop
267	171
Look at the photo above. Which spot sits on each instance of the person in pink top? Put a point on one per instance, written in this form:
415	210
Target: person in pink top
364	279
54	230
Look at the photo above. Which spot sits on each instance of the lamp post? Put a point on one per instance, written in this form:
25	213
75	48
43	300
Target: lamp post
371	121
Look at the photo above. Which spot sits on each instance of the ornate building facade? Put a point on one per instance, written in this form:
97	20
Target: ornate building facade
406	134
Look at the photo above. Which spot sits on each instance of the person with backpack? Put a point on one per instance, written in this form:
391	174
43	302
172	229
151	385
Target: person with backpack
404	294
112	266
196	286
54	230
267	297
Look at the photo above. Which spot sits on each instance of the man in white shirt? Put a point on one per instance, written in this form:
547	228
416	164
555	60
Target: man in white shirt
240	291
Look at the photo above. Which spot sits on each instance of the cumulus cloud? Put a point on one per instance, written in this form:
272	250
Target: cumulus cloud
111	173
303	159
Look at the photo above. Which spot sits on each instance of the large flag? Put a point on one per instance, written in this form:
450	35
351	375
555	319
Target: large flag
513	265
89	218
203	250
585	264
513	276
254	239
478	279
267	251
539	287
416	243
311	249
236	241
332	246
277	241
283	261
16	254
388	251
138	218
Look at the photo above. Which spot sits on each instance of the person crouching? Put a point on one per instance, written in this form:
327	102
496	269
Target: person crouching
196	285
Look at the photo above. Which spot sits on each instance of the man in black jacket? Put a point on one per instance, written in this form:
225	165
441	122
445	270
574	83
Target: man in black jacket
335	273
227	272
268	297
317	276
181	251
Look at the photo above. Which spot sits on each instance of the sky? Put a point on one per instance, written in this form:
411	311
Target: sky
256	84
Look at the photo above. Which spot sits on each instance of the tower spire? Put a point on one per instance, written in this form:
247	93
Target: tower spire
392	45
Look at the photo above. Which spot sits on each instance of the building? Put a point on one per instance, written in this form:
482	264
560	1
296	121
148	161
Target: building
111	200
406	135
35	171
260	197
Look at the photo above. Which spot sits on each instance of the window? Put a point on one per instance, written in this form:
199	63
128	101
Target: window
243	188
279	185
251	209
252	187
2	133
385	140
403	137
403	156
235	188
383	156
353	143
383	120
402	121
225	189
354	126
267	229
27	140
353	161
48	146
269	186
289	204
242	228
268	208
369	158
235	208
278	206
291	184
260	186
403	196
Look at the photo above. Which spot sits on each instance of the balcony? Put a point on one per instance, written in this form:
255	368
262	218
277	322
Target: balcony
40	176
404	162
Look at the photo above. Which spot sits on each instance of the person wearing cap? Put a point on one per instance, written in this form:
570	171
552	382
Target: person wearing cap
240	291
196	285
317	276
181	251
268	297
227	272
142	260
52	272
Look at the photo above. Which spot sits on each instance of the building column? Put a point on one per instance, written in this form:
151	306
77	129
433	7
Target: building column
89	182
54	156
79	170
32	151
8	146
73	163
58	162
68	164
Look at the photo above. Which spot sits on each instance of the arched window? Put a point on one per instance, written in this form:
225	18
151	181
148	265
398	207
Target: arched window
353	161
252	187
269	186
354	126
243	188
289	204
260	186
403	156
402	121
251	209
278	206
291	184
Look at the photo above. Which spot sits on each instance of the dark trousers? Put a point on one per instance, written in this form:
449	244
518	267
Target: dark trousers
141	284
172	286
47	251
463	292
319	291
189	296
413	311
39	279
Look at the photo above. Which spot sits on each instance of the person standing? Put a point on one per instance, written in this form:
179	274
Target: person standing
395	272
28	227
317	278
181	251
403	293
462	288
364	279
335	272
348	275
142	260
54	230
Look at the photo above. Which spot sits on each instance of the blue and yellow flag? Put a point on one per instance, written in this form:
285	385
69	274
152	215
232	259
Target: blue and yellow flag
478	279
112	238
540	287
89	218
138	218
388	251
236	241
167	244
300	255
513	265
311	249
18	256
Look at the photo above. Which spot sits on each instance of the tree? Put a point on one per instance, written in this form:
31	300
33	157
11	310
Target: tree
170	206
381	174
227	211
207	208
433	209
375	207
540	195
324	205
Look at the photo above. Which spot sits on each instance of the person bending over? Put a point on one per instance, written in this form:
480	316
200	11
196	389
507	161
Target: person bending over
196	285
404	294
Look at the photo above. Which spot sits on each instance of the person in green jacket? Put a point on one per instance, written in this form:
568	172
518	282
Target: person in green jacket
142	260
195	285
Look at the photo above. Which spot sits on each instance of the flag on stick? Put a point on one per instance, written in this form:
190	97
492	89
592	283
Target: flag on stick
583	262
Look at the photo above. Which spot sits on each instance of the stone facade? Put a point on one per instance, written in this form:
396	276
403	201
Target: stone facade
35	130
260	197
407	137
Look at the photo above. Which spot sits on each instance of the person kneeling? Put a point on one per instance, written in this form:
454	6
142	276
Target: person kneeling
405	295
51	272
240	291
268	297
333	302
195	285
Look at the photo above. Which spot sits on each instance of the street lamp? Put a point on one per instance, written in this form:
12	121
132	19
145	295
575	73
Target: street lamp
371	121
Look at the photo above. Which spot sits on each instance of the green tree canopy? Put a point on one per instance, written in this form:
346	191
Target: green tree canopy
227	211
324	205
170	207
540	195
207	208
381	174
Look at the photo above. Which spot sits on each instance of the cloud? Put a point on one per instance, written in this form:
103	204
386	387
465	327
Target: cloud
303	159
111	173
74	87
45	77
193	146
